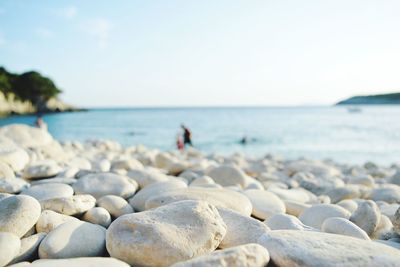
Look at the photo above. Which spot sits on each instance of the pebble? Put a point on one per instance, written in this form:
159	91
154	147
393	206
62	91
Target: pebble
9	247
102	184
314	249
5	171
115	205
80	262
73	205
317	214
13	185
166	235
336	225
49	220
74	239
241	256
286	222
29	248
138	201
41	169
18	214
240	229
146	177
48	191
221	198
265	204
366	216
226	175
98	216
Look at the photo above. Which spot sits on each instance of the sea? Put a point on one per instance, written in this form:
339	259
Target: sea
346	135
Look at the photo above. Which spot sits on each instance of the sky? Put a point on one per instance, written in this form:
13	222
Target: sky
205	53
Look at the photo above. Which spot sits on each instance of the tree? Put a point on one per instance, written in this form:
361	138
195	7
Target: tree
34	87
5	85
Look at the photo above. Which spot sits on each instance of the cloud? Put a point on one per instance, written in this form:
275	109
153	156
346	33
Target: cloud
99	29
43	32
67	12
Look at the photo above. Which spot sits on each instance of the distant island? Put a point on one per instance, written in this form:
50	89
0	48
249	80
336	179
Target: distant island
29	93
382	99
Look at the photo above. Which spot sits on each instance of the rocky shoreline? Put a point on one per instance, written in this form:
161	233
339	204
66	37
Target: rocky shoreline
100	204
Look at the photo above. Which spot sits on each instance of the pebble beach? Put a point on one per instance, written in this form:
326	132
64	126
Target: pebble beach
99	203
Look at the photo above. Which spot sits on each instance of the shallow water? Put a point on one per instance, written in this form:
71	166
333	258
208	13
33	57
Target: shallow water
315	132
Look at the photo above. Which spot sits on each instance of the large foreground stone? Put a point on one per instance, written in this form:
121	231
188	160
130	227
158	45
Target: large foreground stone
18	214
221	198
9	247
26	136
80	262
74	239
48	191
166	235
29	248
102	184
299	248
49	220
248	255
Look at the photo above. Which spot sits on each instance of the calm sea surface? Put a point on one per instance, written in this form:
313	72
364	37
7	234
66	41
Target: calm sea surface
315	132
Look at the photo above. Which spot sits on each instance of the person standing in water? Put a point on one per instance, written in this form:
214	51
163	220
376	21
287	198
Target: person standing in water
39	123
187	136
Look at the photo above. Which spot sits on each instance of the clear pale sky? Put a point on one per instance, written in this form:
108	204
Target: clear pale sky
205	53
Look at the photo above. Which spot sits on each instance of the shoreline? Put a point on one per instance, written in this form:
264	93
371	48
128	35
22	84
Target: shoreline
139	205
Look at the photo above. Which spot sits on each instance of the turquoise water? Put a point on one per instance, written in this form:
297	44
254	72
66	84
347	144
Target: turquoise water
314	132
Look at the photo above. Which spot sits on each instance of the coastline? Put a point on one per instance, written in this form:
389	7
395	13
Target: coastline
139	201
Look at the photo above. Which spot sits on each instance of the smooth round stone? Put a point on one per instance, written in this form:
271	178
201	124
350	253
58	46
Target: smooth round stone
80	262
166	235
5	171
240	229
300	248
26	136
20	264
367	216
389	194
317	168
80	163
9	247
49	220
348	204
4	195
29	248
126	164
203	180
189	176
226	175
73	205
73	239
138	201
98	216
344	192
18	214
102	165
286	222
241	256
146	177
115	205
384	229
295	208
48	191
102	184
41	169
221	198
365	180
55	180
345	227
317	214
13	185
265	204
13	156
295	195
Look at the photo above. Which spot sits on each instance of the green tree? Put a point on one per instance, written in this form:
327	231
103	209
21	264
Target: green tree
5	85
34	87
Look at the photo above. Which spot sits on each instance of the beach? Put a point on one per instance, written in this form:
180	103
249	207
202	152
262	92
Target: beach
102	203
